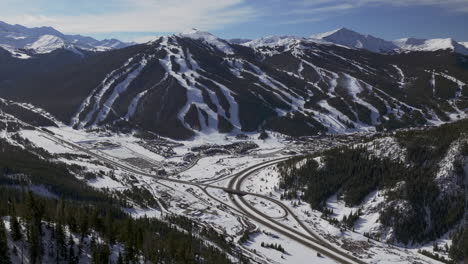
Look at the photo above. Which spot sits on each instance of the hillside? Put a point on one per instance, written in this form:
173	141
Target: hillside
407	187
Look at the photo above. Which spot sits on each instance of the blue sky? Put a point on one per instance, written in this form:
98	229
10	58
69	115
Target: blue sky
143	19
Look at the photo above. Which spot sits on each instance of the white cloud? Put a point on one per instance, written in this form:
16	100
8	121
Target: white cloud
323	9
418	2
112	16
301	21
36	20
145	16
305	3
326	6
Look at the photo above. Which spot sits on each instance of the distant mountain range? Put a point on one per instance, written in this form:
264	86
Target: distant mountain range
21	41
352	39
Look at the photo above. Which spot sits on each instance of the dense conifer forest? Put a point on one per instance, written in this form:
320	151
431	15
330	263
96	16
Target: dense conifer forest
144	238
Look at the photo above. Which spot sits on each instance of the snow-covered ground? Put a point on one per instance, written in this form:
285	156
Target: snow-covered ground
212	207
294	252
266	182
42	141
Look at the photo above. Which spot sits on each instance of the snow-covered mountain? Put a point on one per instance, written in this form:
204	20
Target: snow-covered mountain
46	44
349	38
352	39
18	36
196	83
113	44
208	38
464	44
279	41
413	44
41	40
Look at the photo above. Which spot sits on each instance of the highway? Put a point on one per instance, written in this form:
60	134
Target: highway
241	206
311	240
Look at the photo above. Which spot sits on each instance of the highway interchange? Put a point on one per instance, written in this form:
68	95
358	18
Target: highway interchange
239	203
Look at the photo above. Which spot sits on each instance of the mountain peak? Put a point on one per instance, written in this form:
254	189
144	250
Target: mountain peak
46	44
46	39
353	39
341	30
192	31
208	38
196	34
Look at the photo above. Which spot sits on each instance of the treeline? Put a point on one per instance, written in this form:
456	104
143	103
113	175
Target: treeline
274	246
148	239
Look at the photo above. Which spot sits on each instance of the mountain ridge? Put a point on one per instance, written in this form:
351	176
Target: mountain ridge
413	44
16	38
349	38
194	82
353	39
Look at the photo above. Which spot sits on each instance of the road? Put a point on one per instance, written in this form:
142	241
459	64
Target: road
235	192
311	240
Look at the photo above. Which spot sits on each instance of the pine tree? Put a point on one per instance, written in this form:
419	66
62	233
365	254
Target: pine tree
83	226
71	252
15	228
120	259
100	254
129	242
109	228
60	241
34	232
4	254
35	244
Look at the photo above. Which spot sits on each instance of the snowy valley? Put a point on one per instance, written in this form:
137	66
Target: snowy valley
334	148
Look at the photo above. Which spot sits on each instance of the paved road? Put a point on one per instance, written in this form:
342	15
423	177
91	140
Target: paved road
311	240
